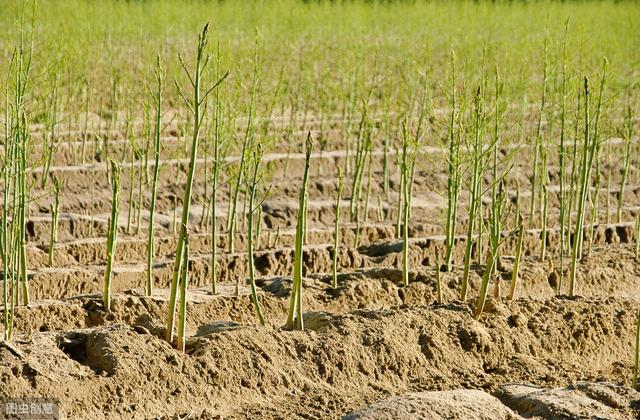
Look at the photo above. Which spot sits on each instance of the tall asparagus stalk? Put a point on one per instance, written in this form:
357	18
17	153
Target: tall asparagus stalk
565	202
159	76
595	197
194	105
55	208
538	139
294	320
112	235
215	175
252	184
336	232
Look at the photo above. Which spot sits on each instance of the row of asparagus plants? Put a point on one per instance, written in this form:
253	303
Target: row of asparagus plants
479	154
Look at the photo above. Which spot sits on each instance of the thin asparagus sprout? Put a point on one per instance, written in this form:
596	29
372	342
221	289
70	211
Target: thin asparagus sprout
336	230
562	152
544	201
475	194
85	132
453	171
201	61
405	209
16	224
142	177
498	193
362	149
23	147
416	142
252	182
595	197
538	144
627	135
184	284
55	208
294	320
69	92
231	219
480	223
215	175
157	98
112	235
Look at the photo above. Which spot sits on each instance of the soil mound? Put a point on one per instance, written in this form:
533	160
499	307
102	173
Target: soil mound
339	364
